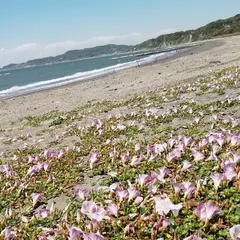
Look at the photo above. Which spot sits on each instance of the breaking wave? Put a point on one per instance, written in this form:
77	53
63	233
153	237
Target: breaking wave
81	76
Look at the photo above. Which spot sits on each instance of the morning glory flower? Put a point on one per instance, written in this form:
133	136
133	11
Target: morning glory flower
220	141
174	155
235	232
112	209
93	236
160	175
75	233
81	193
37	197
198	156
8	234
137	160
120	127
43	213
125	158
160	148
61	154
196	120
187	140
93	211
137	147
4	168
122	194
193	237
138	200
229	173
144	179
164	205
186	165
236	156
99	123
188	189
217	179
234	141
93	157
206	211
132	193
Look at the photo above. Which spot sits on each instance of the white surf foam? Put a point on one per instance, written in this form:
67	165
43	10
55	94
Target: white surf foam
81	76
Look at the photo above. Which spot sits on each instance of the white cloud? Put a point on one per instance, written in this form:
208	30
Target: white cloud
29	51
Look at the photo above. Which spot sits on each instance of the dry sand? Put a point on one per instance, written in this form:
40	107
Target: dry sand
210	56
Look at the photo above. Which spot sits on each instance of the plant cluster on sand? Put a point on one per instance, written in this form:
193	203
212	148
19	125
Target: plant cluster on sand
166	168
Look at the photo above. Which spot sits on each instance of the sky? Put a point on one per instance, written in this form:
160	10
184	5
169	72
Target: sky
32	29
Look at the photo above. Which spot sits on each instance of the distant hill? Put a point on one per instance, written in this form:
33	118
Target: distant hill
74	55
214	29
222	27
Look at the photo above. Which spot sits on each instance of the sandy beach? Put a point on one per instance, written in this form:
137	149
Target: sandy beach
120	142
212	55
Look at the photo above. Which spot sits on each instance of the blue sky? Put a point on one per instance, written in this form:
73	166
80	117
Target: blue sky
38	28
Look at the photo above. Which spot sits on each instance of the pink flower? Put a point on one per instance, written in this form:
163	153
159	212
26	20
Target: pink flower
235	232
229	173
187	140
144	179
120	127
162	172
49	154
99	123
93	236
198	156
174	155
177	187
228	164
137	160
4	168
112	209
122	194
93	211
8	234
217	179
45	166
197	120
206	211
150	150
43	213
132	193
188	189
160	148
61	154
193	237
81	193
93	157
186	165
220	141
203	143
234	140
171	142
164	205
37	197
138	200
137	147
114	187
125	158
236	156
75	233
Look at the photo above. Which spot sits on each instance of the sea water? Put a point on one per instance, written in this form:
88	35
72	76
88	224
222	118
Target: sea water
35	78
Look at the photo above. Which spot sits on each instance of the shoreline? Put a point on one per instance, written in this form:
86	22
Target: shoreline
195	47
179	51
210	56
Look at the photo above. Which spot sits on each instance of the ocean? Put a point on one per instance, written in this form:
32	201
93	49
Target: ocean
35	78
